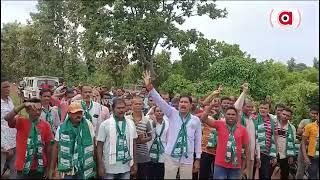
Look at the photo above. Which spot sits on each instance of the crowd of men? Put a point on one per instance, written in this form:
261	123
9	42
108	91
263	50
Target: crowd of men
88	132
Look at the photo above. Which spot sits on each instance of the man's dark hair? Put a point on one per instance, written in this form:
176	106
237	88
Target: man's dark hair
4	79
233	108
186	96
225	98
45	90
280	105
33	100
117	101
287	109
81	87
314	108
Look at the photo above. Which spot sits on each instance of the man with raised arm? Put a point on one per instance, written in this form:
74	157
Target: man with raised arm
245	108
231	138
184	135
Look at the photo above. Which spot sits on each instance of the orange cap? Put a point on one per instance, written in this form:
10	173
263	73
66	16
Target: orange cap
74	107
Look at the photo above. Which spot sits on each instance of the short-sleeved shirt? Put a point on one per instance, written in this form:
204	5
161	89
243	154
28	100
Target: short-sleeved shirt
23	126
241	138
8	135
55	116
142	127
282	139
311	131
303	123
104	136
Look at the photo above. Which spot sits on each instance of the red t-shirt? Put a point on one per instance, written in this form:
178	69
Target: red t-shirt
241	137
23	126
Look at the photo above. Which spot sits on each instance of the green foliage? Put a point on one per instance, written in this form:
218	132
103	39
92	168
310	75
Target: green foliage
300	97
177	84
100	79
163	67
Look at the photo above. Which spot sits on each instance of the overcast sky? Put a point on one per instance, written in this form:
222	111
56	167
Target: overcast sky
247	24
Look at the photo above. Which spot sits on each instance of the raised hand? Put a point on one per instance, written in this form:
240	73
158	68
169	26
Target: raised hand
146	78
245	87
220	88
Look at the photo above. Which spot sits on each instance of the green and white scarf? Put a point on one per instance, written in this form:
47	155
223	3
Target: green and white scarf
122	150
157	147
49	118
290	142
243	123
87	109
34	148
231	153
243	120
212	141
76	149
180	147
261	135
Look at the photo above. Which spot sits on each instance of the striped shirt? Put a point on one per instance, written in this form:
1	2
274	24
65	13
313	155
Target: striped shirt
142	127
267	125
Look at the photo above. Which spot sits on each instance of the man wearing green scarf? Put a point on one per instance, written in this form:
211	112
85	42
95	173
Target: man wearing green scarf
160	129
266	134
286	142
33	140
91	110
49	113
116	147
74	146
245	108
184	137
209	140
232	137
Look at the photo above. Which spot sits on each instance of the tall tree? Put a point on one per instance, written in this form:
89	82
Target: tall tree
143	25
50	20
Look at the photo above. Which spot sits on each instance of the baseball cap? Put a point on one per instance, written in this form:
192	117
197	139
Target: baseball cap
75	107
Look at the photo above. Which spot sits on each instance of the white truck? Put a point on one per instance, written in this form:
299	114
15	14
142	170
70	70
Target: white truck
31	86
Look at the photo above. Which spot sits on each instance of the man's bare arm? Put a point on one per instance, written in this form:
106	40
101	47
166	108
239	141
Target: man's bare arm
10	116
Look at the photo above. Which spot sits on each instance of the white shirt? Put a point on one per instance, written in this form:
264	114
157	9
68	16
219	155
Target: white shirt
55	116
8	135
282	140
95	112
149	143
103	136
163	137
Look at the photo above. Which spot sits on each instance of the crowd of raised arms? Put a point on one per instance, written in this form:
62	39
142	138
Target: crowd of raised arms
90	132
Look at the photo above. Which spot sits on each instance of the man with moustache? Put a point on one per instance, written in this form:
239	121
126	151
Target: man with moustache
8	135
33	140
74	146
266	135
231	138
116	147
92	110
245	108
184	135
